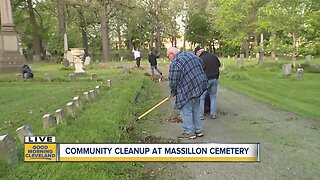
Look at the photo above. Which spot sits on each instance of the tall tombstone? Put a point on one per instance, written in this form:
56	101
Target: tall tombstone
10	58
78	54
24	131
8	150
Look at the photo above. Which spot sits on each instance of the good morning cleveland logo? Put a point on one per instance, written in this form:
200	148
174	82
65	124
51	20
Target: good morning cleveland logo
40	148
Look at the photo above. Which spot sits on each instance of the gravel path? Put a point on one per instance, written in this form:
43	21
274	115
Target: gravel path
289	144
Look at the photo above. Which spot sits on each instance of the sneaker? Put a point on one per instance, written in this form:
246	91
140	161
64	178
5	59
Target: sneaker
187	136
199	134
213	116
202	117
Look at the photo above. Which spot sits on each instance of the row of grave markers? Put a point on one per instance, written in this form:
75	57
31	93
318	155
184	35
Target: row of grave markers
286	68
8	149
48	77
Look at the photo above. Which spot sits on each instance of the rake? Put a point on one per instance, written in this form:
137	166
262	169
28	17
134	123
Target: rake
154	107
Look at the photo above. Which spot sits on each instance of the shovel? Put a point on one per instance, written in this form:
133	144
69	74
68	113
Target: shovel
166	99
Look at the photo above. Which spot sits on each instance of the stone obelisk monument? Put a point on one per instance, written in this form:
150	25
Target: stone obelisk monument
10	57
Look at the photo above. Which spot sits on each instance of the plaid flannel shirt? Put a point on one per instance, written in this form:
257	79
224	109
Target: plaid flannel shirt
187	78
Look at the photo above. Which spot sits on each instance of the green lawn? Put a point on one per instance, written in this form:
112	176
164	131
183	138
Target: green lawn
265	82
25	102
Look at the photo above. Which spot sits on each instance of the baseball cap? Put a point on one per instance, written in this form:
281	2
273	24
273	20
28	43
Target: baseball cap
197	49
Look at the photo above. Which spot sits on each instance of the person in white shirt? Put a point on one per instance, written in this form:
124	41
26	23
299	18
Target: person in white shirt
137	57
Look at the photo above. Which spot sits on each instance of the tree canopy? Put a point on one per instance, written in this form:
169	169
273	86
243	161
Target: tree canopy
107	27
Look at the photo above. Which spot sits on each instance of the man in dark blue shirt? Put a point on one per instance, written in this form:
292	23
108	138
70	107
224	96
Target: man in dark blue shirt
187	81
153	63
211	66
26	72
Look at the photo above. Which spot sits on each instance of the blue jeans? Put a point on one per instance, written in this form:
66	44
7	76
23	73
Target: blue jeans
190	115
156	68
212	88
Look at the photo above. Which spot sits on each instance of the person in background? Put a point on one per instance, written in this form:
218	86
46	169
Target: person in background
26	71
137	57
187	82
153	63
211	66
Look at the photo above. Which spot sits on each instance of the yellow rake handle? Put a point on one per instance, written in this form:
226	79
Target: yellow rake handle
166	99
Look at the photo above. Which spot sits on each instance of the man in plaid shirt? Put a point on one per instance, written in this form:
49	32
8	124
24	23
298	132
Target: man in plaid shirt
187	81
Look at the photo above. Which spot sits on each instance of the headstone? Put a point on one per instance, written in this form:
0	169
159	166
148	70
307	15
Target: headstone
97	89
60	116
87	61
71	109
286	69
24	131
19	76
261	57
10	58
300	73
109	83
48	121
308	57
91	93
126	71
70	58
121	58
48	77
77	102
8	150
77	58
36	58
240	61
72	77
87	96
94	77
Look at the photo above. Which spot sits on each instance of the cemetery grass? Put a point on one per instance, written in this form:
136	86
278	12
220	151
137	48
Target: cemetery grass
101	121
265	83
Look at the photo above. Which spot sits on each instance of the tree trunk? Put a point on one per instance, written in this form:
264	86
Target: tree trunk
63	31
104	34
85	42
140	39
294	39
119	36
83	26
185	34
256	40
151	36
273	37
158	39
35	33
61	16
246	48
